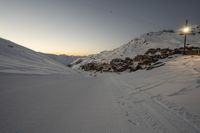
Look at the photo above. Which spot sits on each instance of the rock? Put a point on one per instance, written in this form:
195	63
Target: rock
96	66
119	65
106	68
147	61
134	67
10	46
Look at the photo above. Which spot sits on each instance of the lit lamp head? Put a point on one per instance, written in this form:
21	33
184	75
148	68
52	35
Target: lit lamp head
186	30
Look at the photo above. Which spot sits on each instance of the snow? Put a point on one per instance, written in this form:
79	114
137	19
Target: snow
40	95
167	97
139	45
161	100
17	59
63	59
57	104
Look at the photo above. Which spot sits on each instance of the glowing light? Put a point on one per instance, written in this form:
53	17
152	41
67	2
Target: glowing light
186	30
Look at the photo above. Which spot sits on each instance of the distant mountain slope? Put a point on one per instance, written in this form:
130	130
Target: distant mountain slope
161	39
18	59
63	59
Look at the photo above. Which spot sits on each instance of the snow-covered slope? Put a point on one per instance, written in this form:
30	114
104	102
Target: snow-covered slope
160	100
63	59
167	98
161	39
17	59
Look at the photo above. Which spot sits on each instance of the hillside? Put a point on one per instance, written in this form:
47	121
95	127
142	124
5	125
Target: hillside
162	39
63	59
160	100
18	59
166	98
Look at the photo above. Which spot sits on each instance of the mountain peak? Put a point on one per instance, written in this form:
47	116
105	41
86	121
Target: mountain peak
161	39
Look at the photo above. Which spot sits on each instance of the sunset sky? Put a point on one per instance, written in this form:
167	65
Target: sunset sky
82	27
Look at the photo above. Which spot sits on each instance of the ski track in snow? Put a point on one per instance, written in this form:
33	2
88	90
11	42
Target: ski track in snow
66	101
179	92
147	114
80	103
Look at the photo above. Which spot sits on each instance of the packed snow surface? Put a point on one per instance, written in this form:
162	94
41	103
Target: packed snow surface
161	100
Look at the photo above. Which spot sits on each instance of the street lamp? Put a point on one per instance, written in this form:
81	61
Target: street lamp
186	30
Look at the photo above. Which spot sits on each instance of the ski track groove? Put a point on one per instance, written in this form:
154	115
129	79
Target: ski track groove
149	112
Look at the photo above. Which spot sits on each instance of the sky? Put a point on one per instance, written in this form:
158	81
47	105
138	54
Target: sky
82	27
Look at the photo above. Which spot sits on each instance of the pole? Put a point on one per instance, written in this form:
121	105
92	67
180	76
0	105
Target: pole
185	37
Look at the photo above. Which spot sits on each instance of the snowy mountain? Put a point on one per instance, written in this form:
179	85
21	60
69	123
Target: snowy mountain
161	100
63	59
162	39
18	59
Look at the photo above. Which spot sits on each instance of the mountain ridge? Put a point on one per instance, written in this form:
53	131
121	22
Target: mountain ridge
139	45
15	58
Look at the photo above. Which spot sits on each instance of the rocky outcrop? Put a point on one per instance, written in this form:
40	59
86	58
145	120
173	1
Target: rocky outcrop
96	66
160	53
120	65
147	61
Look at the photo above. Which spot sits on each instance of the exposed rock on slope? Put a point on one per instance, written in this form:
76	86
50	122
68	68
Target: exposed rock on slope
146	61
138	46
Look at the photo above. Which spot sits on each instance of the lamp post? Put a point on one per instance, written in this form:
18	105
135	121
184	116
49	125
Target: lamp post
185	30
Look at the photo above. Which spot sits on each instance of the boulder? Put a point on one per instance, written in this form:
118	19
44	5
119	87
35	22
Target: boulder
96	66
120	65
146	61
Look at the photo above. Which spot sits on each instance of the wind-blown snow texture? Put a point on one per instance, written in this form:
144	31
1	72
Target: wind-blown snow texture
17	59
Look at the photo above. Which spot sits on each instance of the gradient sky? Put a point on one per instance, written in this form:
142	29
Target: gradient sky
82	27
